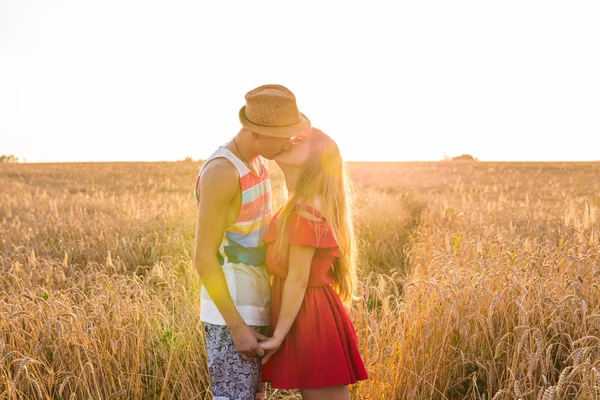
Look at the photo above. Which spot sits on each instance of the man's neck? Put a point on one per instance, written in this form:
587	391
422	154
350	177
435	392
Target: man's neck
243	145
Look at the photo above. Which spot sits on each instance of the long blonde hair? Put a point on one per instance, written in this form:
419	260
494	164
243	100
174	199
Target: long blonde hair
325	179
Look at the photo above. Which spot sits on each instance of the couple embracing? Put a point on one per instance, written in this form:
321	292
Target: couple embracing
273	286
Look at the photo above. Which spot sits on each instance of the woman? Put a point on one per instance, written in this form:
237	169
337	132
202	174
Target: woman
311	259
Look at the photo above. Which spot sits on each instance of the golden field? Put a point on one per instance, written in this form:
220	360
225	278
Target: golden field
478	281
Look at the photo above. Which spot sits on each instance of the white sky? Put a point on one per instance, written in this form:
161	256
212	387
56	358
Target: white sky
129	80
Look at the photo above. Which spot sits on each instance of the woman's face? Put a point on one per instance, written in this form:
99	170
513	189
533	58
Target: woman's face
297	154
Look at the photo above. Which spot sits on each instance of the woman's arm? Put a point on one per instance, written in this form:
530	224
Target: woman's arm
300	259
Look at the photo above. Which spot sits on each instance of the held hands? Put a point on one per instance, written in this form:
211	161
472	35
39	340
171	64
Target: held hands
270	347
251	344
246	341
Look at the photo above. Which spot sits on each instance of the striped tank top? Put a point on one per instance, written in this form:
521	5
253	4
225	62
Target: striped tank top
242	250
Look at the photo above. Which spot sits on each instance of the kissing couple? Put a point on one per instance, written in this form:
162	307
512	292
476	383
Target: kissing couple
274	287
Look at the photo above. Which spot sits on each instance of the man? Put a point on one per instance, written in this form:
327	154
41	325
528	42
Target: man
233	192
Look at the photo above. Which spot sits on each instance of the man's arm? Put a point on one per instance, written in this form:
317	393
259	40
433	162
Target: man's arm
218	186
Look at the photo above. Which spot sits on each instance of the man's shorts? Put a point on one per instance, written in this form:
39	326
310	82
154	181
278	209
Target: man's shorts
231	377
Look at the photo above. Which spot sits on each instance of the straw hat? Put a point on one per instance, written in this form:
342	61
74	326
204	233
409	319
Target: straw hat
271	110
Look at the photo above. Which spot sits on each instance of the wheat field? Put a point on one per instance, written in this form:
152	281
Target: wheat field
478	281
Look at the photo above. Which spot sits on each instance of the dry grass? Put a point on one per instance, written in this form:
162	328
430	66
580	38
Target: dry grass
479	280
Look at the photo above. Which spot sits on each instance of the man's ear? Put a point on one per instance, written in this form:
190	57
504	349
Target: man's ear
298	139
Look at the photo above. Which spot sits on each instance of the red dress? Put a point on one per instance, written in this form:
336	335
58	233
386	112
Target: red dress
321	347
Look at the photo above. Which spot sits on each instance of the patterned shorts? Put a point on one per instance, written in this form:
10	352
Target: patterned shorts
231	377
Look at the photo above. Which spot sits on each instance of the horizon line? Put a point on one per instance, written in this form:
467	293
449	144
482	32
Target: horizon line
348	161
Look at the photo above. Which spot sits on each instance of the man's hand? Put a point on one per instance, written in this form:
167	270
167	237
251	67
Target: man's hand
245	340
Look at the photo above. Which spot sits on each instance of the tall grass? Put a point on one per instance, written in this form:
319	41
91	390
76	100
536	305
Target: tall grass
478	281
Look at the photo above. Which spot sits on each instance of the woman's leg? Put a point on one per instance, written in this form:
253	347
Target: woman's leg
326	393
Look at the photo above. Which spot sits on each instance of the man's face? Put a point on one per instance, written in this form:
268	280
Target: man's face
297	153
269	147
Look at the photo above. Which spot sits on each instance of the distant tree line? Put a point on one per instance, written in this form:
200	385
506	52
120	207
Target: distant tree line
463	157
190	159
8	159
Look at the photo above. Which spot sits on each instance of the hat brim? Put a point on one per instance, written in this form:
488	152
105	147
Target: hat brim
287	131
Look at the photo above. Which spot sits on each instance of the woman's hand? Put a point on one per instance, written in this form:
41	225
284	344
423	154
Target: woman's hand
270	346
